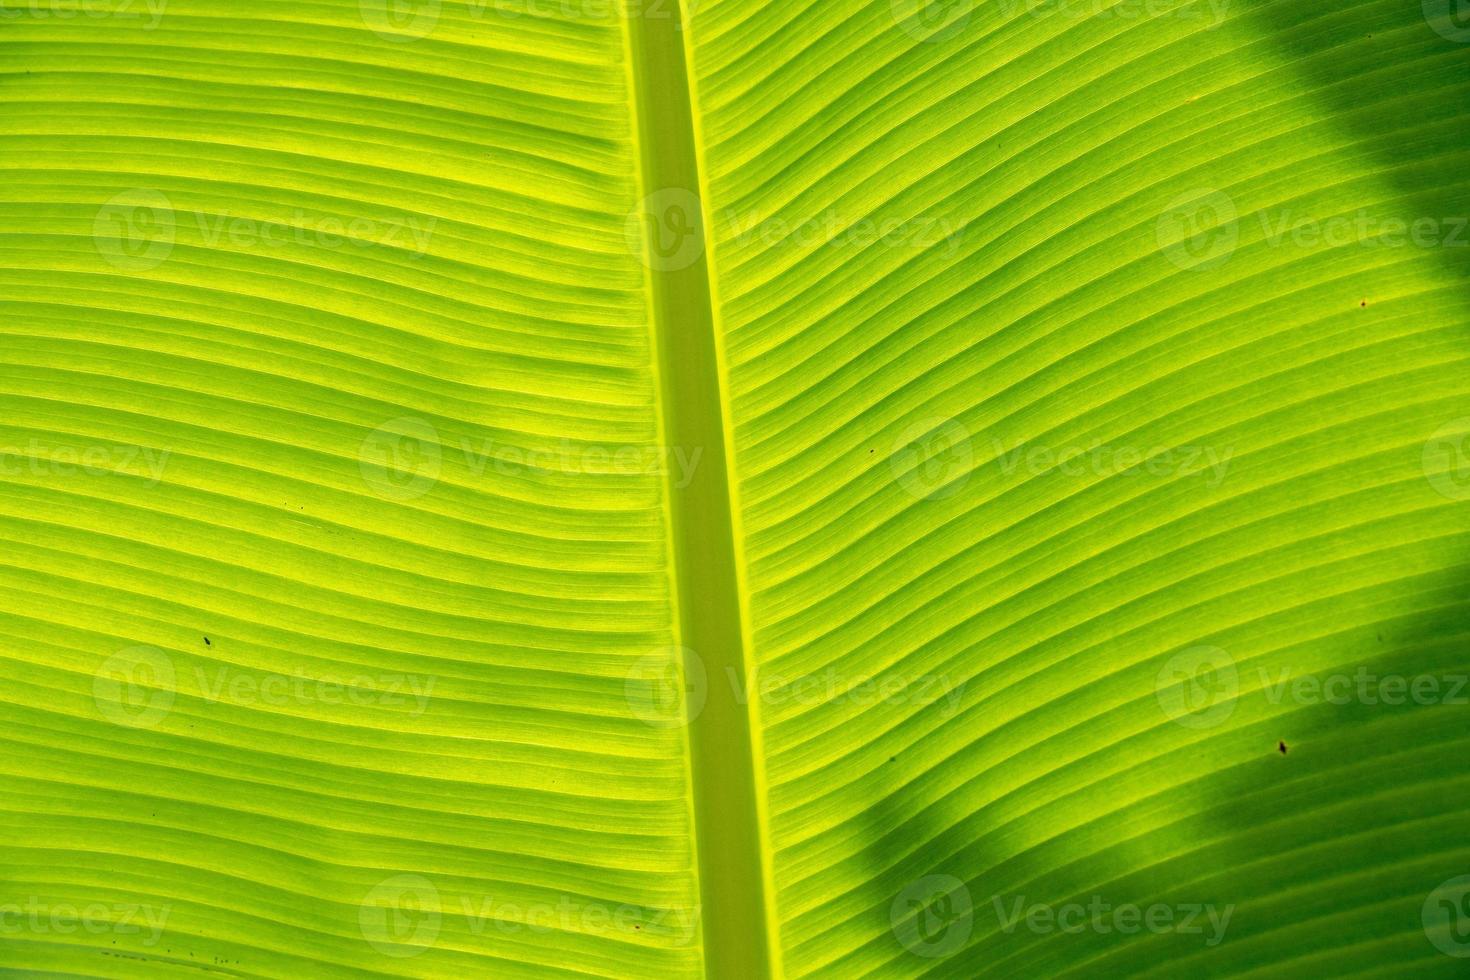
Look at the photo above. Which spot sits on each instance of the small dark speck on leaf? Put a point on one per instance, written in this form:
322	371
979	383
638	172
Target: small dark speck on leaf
207	643
1363	303
1282	747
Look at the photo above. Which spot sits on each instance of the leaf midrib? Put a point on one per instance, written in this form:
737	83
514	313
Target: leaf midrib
734	866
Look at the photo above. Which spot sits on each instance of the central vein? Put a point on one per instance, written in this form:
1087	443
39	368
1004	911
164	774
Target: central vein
728	806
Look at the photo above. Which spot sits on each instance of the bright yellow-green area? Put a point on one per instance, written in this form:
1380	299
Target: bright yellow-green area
1065	340
417	417
323	339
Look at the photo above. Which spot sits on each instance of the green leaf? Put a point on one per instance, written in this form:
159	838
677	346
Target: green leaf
872	488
